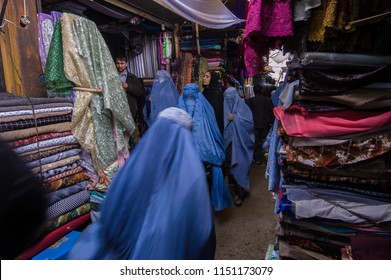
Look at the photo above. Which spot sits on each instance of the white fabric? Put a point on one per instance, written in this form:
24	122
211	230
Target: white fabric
336	205
210	13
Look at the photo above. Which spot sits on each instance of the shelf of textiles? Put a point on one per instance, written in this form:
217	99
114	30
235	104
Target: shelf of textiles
330	158
197	55
39	131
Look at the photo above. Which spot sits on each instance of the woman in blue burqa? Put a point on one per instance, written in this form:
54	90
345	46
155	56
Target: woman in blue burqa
158	205
209	141
239	142
163	95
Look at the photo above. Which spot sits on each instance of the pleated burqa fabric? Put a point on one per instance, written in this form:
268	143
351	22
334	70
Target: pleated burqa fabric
164	94
99	122
158	205
239	132
208	140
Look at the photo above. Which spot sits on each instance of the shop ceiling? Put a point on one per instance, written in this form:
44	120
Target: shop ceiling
112	15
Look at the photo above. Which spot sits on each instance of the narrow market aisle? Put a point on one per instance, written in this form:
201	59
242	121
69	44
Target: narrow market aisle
243	233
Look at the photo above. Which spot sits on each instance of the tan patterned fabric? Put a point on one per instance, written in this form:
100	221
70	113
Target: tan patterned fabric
345	153
32	131
66	181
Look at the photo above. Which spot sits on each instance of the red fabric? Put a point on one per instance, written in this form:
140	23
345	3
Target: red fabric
301	123
41	137
371	247
53	236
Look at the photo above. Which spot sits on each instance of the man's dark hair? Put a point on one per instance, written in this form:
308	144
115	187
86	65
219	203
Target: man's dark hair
121	58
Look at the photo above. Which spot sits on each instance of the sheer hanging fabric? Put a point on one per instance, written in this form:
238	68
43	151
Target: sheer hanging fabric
210	13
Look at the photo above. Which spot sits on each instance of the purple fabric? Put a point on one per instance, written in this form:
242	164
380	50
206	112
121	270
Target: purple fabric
56	16
269	18
45	32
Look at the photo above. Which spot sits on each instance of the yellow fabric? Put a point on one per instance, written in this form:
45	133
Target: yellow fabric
327	19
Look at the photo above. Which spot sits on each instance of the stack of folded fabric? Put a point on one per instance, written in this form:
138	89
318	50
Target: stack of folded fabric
39	130
334	153
210	48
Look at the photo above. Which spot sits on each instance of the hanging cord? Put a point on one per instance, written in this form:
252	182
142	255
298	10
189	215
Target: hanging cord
24	20
32	108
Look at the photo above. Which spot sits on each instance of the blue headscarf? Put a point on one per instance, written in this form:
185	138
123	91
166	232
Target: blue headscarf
164	94
208	139
239	132
158	205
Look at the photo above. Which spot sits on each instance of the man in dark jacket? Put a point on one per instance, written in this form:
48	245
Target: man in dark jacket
135	92
262	109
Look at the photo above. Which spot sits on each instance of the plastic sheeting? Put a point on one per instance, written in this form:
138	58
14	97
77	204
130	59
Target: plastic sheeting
210	13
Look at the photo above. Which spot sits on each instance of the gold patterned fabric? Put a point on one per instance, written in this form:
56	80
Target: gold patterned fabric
331	16
67	181
334	155
67	217
101	122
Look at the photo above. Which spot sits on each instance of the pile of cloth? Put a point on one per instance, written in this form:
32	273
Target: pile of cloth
331	142
39	131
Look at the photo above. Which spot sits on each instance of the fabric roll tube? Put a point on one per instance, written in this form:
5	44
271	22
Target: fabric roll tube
8	99
64	140
53	158
336	205
64	174
42	153
31	116
4	108
66	181
67	217
56	164
59	170
331	60
33	122
325	82
324	124
40	137
67	204
32	131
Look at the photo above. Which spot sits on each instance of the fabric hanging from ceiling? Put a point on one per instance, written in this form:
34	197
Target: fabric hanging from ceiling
209	13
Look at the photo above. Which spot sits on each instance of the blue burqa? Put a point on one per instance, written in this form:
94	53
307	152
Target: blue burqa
208	140
158	205
239	132
163	95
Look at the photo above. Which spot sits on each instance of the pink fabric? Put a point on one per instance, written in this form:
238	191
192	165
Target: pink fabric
298	122
266	22
35	139
269	18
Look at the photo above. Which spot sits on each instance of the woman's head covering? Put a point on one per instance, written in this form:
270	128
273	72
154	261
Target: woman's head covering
158	205
214	80
164	94
208	140
239	132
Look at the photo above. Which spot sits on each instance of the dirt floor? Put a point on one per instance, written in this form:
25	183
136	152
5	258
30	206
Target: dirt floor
244	233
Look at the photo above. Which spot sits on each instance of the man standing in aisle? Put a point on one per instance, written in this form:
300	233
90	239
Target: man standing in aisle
135	92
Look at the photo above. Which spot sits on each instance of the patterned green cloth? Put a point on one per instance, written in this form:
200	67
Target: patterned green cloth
55	81
89	64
